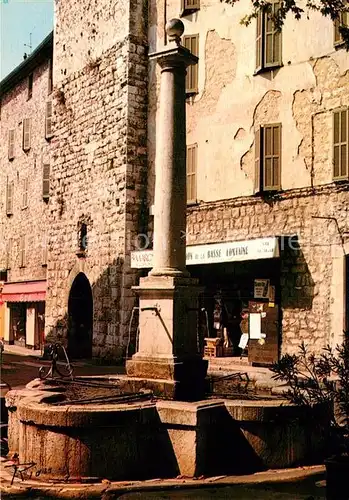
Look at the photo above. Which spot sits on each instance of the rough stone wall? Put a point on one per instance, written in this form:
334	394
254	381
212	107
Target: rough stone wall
31	220
306	267
99	170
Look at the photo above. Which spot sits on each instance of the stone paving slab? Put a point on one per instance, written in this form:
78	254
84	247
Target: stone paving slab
106	490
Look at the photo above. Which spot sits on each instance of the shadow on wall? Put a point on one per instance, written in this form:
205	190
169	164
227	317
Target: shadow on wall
297	285
97	320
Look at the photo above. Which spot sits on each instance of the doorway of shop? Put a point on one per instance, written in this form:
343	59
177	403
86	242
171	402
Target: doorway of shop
80	318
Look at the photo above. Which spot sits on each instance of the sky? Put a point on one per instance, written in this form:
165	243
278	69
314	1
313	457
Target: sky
19	18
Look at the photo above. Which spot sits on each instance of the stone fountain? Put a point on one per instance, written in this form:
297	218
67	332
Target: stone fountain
171	430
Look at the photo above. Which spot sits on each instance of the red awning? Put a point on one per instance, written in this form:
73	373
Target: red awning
25	291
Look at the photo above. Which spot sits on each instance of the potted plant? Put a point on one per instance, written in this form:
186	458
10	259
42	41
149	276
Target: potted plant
323	379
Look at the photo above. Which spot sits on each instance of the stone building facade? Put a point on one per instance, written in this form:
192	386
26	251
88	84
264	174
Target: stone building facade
25	161
247	84
98	178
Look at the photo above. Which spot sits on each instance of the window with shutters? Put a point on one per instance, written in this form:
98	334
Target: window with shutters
48	120
342	22
340	144
11	144
30	86
191	164
50	77
189	6
8	254
191	42
22	251
268	158
46	181
26	134
25	193
268	40
9	197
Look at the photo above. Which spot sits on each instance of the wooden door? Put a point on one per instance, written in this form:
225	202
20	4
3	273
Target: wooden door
265	353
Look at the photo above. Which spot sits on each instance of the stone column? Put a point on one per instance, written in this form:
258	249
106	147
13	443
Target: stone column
168	359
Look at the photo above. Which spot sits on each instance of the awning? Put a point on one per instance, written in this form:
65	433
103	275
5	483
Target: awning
24	291
215	253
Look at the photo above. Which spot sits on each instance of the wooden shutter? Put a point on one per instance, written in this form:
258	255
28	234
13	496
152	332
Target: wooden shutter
22	251
191	173
50	77
26	134
11	144
272	157
341	21
46	181
25	193
48	120
340	144
189	6
9	197
259	41
30	86
272	38
191	43
258	141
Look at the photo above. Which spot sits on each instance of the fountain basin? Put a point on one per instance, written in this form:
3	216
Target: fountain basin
147	439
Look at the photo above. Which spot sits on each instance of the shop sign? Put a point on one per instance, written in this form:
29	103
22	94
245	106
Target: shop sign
215	253
261	289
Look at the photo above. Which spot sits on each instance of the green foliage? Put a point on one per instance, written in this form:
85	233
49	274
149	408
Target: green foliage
328	8
322	379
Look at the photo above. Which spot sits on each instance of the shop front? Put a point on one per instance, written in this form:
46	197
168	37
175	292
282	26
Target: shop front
24	314
240	305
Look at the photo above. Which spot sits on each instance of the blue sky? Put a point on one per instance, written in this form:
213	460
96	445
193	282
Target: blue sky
19	18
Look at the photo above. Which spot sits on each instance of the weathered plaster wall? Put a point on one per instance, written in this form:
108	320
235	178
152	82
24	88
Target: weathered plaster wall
99	164
29	221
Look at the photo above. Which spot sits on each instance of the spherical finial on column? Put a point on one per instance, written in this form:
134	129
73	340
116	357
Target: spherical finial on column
174	29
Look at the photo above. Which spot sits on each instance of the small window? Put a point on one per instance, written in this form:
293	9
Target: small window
192	153
8	254
83	237
268	158
26	134
340	144
343	21
268	40
30	86
191	43
50	77
46	181
25	193
9	197
48	120
11	144
189	6
22	252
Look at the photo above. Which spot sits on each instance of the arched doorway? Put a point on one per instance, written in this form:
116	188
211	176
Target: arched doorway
80	318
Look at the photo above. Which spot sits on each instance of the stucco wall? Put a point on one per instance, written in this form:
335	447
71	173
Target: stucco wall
30	221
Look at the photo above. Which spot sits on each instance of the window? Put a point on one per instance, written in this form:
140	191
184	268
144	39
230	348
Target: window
340	144
189	6
192	153
268	158
83	237
26	134
46	181
268	40
50	77
30	86
191	43
48	120
11	144
25	193
22	251
342	21
8	254
9	197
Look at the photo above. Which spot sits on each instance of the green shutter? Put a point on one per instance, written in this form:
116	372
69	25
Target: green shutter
191	42
191	167
272	157
46	181
340	144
